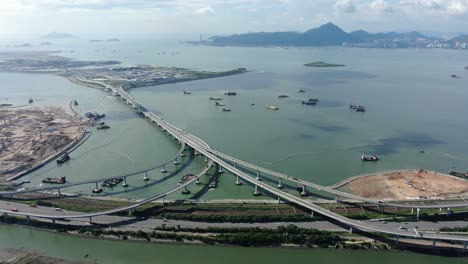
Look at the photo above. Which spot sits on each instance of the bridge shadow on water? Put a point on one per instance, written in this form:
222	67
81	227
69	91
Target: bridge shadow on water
206	188
151	182
274	182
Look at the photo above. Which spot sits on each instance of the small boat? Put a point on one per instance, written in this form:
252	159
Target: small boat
354	107
313	100
226	110
271	107
112	182
365	157
360	109
185	92
252	104
31	101
186	177
218	104
5	105
302	91
458	174
454	76
60	180
103	127
230	93
283	96
75	102
309	102
63	159
216	98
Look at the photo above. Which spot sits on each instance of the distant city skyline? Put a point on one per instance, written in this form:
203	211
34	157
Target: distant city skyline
120	17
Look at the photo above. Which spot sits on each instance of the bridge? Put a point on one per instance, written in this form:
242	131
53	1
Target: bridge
232	165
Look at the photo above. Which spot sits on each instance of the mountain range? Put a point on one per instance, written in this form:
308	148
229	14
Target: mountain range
326	35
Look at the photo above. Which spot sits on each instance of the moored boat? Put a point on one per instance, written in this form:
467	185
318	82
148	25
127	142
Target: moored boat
216	98
458	174
112	182
226	110
283	96
103	127
63	159
271	107
230	93
60	180
365	157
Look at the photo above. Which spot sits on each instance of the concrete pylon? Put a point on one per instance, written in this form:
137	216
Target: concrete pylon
176	161
125	184
280	183
163	170
145	178
258	176
256	192
417	213
221	169
238	182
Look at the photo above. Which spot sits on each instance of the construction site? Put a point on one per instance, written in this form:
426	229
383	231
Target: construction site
407	185
31	136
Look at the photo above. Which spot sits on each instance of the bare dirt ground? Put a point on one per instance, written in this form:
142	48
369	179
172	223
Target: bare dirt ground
408	184
28	136
16	256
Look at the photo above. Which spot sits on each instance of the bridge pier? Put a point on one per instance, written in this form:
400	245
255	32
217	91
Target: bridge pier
434	243
206	159
417	213
258	176
465	245
145	178
280	184
397	240
90	220
256	192
235	165
304	191
182	155
336	199
28	219
53	221
59	193
197	181
125	184
238	182
279	200
350	229
176	161
97	189
312	214
412	210
5	217
185	190
221	169
163	170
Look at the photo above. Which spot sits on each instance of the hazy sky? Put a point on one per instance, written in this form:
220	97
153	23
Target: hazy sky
114	17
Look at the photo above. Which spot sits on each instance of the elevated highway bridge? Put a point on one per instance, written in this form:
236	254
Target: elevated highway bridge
232	164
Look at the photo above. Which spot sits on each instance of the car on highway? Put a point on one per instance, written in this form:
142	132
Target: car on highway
14	209
58	209
403	228
33	205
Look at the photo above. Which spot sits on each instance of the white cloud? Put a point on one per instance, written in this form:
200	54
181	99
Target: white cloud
204	10
346	6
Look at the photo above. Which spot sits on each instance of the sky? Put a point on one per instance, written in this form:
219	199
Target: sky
211	17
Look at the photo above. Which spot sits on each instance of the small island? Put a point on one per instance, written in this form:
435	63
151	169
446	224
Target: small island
322	64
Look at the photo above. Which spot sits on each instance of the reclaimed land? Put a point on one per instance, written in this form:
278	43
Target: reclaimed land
406	185
29	136
16	256
91	73
321	64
